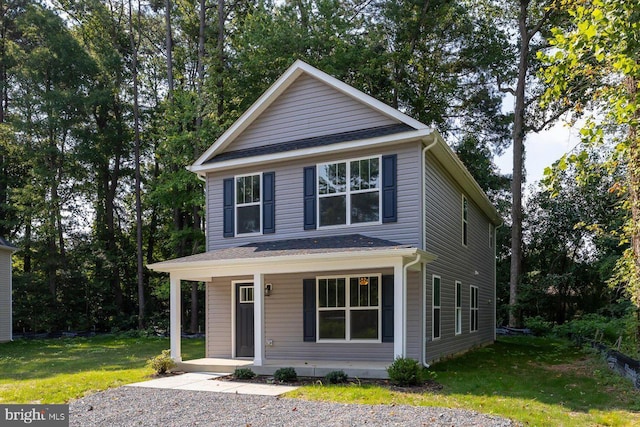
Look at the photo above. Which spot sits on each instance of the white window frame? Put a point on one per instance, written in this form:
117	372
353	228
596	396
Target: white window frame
435	307
458	310
473	308
347	308
243	205
348	192
243	292
464	216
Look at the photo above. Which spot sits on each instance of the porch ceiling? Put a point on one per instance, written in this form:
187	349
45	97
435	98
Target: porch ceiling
294	256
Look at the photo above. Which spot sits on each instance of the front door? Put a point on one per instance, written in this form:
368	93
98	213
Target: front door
244	319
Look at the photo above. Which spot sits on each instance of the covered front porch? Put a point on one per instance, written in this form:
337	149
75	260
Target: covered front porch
311	368
286	263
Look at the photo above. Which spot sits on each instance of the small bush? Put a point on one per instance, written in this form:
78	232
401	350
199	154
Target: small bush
285	375
336	377
162	363
538	326
244	374
405	372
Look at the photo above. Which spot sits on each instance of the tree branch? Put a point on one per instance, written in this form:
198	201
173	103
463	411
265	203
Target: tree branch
541	22
555	116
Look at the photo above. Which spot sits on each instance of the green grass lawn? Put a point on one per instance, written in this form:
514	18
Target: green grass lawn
57	370
539	382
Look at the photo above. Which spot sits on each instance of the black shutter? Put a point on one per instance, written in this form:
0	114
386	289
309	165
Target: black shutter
228	206
269	202
389	188
309	309
310	198
387	308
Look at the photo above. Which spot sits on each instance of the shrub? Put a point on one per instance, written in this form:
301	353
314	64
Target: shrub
336	377
244	373
405	371
162	363
285	375
538	325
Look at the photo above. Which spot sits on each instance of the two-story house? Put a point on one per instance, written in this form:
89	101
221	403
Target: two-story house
340	233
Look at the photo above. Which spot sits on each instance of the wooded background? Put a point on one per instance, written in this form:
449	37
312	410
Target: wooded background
104	103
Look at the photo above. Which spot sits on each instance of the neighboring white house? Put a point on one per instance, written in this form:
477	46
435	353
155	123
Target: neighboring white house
5	290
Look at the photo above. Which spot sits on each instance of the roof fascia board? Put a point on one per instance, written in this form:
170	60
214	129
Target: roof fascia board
452	163
280	85
291	263
397	138
8	248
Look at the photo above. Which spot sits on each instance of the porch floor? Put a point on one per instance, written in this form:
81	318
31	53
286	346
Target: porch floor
309	368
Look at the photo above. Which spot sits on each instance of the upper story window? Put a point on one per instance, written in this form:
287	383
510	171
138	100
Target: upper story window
465	221
349	192
248	206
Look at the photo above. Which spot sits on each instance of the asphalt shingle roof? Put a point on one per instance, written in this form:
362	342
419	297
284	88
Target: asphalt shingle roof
290	247
3	242
317	141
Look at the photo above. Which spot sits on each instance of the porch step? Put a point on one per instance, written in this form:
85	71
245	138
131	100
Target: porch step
223	366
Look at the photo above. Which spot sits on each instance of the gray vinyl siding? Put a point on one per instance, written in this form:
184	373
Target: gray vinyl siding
443	229
308	108
5	296
289	200
284	325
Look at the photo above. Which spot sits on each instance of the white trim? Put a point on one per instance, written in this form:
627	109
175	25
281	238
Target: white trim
259	203
348	146
457	319
348	192
280	85
347	309
472	308
175	311
258	319
399	308
434	306
326	261
234	314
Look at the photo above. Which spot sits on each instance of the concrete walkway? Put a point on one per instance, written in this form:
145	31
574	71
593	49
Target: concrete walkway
207	381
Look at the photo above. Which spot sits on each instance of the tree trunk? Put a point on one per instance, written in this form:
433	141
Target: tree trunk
634	185
138	177
220	67
518	158
169	47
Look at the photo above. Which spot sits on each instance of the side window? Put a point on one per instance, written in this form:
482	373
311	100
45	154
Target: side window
473	308
465	221
458	312
435	287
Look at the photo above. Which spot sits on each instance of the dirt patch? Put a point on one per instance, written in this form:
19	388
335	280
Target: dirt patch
429	386
581	367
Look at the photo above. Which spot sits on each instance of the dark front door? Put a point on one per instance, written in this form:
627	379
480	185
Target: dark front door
244	319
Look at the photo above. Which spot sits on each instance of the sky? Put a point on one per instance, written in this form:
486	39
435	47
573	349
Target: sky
542	149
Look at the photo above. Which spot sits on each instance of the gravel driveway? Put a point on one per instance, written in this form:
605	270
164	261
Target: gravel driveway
129	406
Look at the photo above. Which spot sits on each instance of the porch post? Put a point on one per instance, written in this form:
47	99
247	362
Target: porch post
399	307
174	317
258	319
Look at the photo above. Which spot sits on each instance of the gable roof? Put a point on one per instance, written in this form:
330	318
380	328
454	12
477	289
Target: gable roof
4	245
296	70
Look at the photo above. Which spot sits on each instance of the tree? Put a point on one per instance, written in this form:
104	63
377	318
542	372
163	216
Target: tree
600	52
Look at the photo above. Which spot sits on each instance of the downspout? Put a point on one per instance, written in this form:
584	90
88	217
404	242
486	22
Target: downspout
404	297
424	248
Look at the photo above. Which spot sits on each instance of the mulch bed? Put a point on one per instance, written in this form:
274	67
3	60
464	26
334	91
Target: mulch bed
429	386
